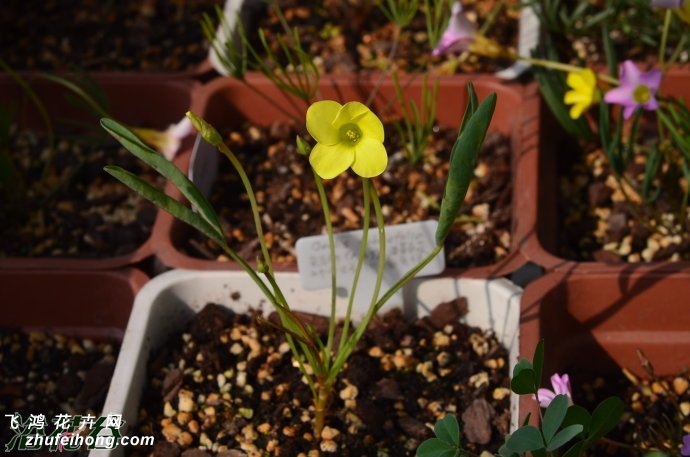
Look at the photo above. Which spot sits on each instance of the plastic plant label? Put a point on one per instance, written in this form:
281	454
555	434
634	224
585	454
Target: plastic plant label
406	246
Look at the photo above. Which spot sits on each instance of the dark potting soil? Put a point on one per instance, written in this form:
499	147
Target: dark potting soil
49	374
604	220
346	37
656	415
121	35
228	386
73	208
409	192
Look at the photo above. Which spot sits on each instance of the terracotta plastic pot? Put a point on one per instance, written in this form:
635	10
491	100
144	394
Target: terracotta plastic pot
225	102
595	322
154	101
94	304
169	301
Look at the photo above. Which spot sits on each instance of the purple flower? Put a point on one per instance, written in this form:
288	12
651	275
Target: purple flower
685	450
561	386
636	89
459	34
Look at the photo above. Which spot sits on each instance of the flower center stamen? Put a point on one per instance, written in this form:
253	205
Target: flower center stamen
641	94
350	133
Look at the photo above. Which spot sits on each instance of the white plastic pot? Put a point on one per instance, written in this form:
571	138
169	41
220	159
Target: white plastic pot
169	301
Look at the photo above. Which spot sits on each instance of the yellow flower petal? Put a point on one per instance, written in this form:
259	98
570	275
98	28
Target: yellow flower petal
370	158
330	160
351	112
584	91
575	97
320	118
371	126
347	135
577	110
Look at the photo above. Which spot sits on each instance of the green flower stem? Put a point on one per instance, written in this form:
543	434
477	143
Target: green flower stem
350	344
331	251
359	331
680	47
380	226
321	406
222	147
493	14
250	271
411	273
564	67
366	183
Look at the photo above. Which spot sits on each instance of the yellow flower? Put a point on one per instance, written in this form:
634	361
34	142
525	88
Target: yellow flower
584	91
347	135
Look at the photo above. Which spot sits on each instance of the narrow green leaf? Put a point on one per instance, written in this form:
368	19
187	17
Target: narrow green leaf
164	201
605	416
525	439
462	163
471	107
562	437
553	417
163	166
448	430
650	173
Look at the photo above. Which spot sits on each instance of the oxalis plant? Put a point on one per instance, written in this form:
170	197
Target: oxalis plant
618	107
564	429
348	136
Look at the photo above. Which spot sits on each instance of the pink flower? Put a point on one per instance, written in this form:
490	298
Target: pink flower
561	386
636	89
459	34
686	445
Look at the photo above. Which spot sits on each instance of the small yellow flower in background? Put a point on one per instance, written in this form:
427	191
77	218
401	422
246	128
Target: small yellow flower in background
166	142
347	136
584	91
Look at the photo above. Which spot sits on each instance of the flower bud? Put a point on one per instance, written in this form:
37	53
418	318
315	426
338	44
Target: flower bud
207	131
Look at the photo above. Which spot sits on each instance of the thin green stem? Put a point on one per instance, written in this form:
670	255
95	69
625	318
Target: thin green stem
680	47
347	345
252	201
380	226
331	251
352	342
492	17
411	273
358	269
251	272
564	67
